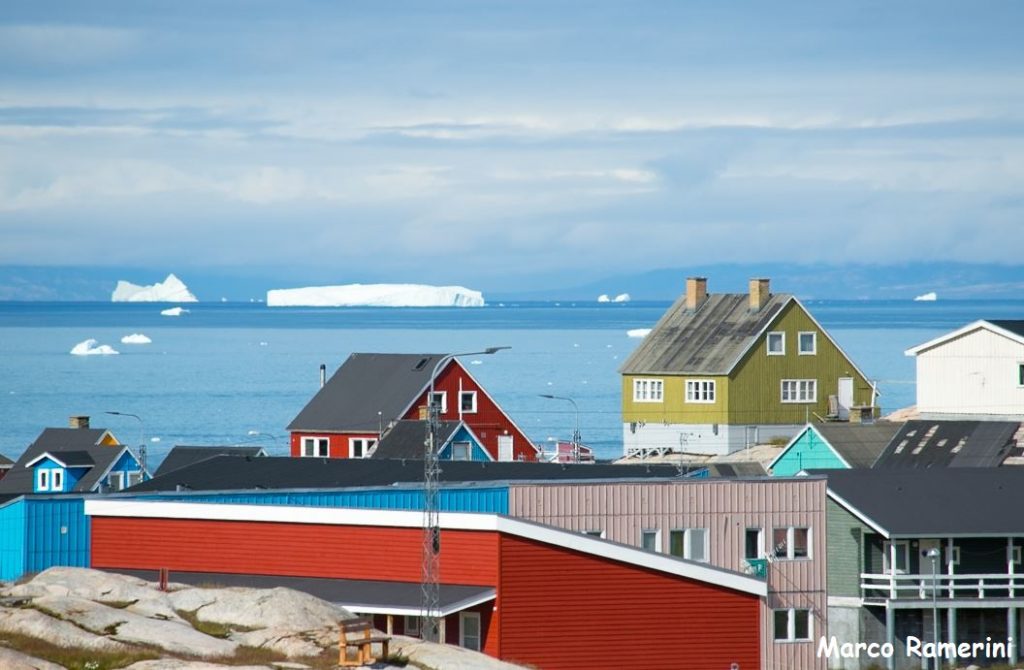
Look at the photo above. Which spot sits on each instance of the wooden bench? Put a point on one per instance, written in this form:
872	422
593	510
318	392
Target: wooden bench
358	633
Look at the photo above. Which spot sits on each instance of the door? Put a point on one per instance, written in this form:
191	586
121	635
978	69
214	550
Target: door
504	447
845	397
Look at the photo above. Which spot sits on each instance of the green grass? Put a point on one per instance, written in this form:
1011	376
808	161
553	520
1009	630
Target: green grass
76	659
210	628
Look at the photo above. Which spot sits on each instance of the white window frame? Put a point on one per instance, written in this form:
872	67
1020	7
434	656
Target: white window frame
760	543
367	443
120	481
132	478
657	539
901	545
444	401
768	343
798	394
698	390
411	626
57	479
1020	374
473	409
594	533
315	440
463	616
648	389
469	450
791	545
1015	554
687	536
800	343
43	479
791	625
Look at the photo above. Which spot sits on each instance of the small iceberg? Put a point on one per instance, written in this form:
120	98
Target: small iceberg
91	347
136	338
638	332
603	298
927	297
622	297
376	295
174	311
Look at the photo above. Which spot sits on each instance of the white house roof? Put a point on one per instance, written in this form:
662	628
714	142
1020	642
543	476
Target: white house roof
1013	330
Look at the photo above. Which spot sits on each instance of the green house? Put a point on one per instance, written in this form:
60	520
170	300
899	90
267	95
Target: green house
720	372
834	446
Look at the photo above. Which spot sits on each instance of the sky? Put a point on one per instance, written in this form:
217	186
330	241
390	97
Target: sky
504	145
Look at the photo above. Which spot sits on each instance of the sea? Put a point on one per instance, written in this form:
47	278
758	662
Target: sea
237	373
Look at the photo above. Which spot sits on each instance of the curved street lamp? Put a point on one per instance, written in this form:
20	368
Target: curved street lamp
142	438
576	433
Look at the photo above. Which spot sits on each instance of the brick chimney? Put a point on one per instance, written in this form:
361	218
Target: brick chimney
696	292
79	421
759	294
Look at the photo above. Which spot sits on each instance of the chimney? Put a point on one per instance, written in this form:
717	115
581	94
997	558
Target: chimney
79	422
759	294
696	292
323	375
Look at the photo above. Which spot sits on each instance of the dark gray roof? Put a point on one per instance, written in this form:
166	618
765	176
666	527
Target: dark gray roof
956	444
345	592
58	441
936	501
183	455
406	439
709	340
5	462
77	458
859	444
363	386
737	469
1014	326
226	473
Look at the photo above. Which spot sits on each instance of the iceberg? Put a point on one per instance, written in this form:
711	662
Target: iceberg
136	338
174	311
638	332
171	289
622	297
376	295
927	297
91	347
603	298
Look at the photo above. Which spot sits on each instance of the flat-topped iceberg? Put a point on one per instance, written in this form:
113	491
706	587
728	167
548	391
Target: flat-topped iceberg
174	311
927	297
171	289
136	338
376	295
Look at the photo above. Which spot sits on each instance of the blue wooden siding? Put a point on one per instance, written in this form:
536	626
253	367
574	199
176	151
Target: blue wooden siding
808	450
489	500
36	534
463	435
12	539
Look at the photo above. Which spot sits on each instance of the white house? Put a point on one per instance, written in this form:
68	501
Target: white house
975	372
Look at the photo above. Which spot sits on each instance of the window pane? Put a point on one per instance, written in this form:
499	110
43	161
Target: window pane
697	552
801	624
1020	374
675	542
462	451
781	624
649	540
775	343
753	543
799	543
806	343
780	542
469	402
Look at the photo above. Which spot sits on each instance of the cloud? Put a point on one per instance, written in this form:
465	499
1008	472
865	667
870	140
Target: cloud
66	45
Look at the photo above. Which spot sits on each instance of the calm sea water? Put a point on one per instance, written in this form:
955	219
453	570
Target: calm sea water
213	375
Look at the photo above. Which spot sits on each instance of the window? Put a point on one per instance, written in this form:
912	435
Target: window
752	543
57	480
411	626
467	402
134	478
42	480
440	401
691	543
469	630
799	390
462	451
315	447
116	481
650	540
791	543
648	390
1020	374
902	557
792	625
807	343
776	344
1015	554
700	390
359	447
594	533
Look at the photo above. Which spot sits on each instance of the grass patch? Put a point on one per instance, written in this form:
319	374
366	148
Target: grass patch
210	628
117	604
75	659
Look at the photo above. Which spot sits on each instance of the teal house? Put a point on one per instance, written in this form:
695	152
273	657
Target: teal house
456	441
833	446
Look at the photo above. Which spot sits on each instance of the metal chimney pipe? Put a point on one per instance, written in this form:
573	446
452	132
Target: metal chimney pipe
323	375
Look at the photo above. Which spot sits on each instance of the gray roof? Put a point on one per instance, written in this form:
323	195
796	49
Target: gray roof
955	444
5	462
406	439
1012	325
736	469
935	501
182	455
710	340
366	389
63	441
77	458
859	444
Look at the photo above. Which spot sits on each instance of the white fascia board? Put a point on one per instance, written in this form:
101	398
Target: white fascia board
788	446
414	519
466	603
857	513
44	456
974	325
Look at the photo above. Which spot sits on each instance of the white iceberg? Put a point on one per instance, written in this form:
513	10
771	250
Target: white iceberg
927	297
622	297
376	295
174	311
91	347
171	289
136	338
638	332
603	298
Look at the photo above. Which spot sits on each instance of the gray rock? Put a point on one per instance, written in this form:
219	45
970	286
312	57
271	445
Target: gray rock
14	660
63	633
175	664
260	608
445	656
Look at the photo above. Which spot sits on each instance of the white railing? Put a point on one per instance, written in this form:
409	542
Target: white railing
920	586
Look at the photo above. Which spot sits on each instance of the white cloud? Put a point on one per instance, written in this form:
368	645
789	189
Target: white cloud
64	44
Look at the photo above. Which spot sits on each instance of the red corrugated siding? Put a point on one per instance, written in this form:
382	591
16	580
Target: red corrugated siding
306	550
488	422
337	443
560	609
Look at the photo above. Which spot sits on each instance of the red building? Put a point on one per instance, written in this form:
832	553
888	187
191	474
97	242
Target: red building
519	591
370	392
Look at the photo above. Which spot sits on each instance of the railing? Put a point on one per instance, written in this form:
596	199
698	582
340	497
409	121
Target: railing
920	586
757	567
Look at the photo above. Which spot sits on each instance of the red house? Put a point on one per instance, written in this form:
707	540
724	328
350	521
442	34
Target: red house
370	392
516	590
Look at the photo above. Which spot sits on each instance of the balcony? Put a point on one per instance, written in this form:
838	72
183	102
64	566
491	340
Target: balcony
902	587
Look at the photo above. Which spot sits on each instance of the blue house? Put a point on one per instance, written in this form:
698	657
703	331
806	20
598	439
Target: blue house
456	441
834	446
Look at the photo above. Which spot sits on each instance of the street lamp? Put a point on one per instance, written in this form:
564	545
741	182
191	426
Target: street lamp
142	438
576	433
256	433
933	554
431	620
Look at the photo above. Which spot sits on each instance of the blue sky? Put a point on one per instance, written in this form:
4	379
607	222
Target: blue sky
508	144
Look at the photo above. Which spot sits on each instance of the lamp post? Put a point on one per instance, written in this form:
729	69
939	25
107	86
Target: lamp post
256	433
933	554
576	433
430	627
142	438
